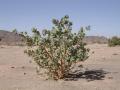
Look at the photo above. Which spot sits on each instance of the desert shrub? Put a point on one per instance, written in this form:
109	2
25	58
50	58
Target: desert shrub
15	31
58	49
114	41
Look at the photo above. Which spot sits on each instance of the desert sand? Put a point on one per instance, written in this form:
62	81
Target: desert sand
17	73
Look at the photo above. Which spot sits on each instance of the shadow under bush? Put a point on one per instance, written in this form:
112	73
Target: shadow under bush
89	75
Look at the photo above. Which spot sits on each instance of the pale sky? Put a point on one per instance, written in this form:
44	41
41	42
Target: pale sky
102	15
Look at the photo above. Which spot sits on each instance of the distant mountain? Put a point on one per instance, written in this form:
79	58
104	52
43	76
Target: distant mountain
9	38
12	38
96	39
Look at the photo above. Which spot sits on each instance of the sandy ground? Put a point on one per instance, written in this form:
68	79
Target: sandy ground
16	73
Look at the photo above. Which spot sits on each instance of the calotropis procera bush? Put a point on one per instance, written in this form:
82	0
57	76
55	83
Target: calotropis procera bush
114	41
56	50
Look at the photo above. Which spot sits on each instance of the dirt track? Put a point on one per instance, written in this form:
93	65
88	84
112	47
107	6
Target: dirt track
16	73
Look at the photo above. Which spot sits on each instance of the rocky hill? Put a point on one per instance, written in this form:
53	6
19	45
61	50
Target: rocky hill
96	39
9	38
12	38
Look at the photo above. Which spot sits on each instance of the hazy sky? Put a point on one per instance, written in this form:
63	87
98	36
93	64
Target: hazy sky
102	15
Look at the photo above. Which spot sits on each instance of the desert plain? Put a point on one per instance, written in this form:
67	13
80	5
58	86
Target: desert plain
17	72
